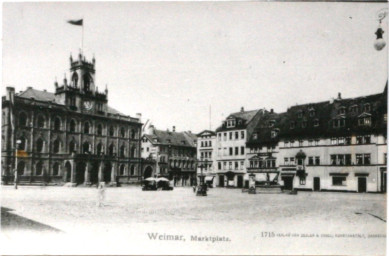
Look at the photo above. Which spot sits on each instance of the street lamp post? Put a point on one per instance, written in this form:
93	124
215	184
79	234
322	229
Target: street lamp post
18	142
380	42
202	187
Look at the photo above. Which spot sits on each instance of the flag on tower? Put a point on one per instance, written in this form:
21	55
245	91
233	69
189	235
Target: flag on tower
76	22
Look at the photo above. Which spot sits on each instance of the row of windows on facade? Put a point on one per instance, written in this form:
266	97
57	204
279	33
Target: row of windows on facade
336	180
232	165
56	171
231	136
231	151
172	152
336	123
334	141
57	147
206	155
354	109
206	143
87	127
206	167
263	163
335	159
232	122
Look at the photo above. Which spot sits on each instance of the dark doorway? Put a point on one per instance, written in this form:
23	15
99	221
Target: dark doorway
68	172
361	184
107	172
288	182
240	181
148	172
221	181
94	172
80	173
383	180
316	184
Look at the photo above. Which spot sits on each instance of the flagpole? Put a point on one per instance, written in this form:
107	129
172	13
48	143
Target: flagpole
82	37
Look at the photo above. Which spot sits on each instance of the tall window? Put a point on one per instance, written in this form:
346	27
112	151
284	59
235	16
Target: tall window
122	151
122	132
85	148
22	119
132	170
39	168
40	121
133	134
122	169
56	167
111	131
39	145
72	147
111	150
72	126
133	152
86	128
57	124
99	129
56	146
99	149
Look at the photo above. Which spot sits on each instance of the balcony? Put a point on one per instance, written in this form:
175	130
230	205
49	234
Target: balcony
262	169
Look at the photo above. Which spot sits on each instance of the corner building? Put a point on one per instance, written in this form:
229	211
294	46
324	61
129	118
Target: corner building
70	136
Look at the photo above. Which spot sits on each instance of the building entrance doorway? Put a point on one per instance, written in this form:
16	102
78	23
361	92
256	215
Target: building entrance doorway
221	181
240	181
361	184
316	184
107	172
68	172
148	172
94	172
80	173
288	182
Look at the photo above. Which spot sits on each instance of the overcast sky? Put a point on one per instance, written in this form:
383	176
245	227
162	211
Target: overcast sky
171	61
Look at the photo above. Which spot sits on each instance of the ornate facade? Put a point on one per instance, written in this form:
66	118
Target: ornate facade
70	136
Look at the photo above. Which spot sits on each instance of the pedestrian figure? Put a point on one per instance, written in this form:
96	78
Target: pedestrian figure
16	178
101	194
194	189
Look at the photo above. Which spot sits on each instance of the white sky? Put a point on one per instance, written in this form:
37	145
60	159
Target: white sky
170	61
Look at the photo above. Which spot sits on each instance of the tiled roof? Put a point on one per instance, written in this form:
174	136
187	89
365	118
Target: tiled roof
49	96
303	118
245	116
173	138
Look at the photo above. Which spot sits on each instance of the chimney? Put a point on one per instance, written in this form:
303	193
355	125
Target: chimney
139	116
29	88
174	128
10	93
271	111
242	109
339	96
151	129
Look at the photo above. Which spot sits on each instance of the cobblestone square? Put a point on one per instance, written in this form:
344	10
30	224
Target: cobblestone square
261	223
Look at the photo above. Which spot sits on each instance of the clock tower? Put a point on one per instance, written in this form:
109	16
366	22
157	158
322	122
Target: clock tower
81	93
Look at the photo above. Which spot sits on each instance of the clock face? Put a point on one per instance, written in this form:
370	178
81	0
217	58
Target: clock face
88	105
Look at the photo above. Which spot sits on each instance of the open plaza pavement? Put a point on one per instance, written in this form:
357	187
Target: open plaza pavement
63	220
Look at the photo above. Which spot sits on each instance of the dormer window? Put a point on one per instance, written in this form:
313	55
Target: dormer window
292	125
274	134
364	121
300	114
341	122
341	111
304	124
230	123
312	112
367	107
255	136
316	122
183	142
271	123
354	109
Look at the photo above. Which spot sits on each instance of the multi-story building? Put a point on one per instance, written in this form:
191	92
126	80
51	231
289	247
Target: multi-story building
170	154
206	148
69	136
231	140
337	145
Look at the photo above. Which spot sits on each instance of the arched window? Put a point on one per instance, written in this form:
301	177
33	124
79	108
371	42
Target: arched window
122	169
39	145
99	149
86	128
22	143
132	170
21	166
132	134
111	150
56	167
122	132
57	124
39	168
99	129
40	123
111	131
22	119
72	126
87	82
56	146
85	147
72	147
133	152
75	79
122	151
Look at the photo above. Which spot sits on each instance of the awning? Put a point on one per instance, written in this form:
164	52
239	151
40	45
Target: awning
338	174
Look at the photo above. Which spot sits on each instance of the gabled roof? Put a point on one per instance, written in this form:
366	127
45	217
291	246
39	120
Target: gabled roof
206	131
246	116
183	139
